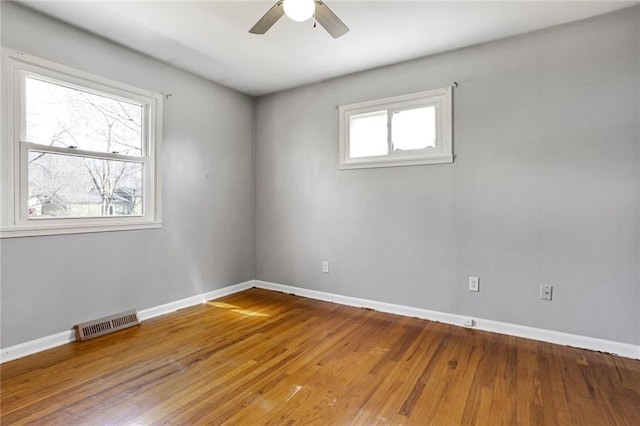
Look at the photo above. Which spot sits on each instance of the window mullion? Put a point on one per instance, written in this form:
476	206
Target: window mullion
81	153
389	131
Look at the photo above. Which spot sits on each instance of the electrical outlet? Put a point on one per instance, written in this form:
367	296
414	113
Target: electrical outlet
474	284
325	266
546	292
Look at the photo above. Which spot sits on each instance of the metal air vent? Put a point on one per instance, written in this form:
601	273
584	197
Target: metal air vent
99	327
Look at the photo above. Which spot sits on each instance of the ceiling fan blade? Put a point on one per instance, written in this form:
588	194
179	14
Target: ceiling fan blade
269	18
330	21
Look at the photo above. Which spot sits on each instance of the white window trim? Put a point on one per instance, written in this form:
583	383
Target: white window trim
13	177
441	99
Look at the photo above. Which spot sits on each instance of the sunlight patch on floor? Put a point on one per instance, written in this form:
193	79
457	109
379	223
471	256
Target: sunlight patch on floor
237	309
222	305
250	313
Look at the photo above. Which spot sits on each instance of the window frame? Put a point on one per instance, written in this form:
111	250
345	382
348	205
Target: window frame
14	149
440	98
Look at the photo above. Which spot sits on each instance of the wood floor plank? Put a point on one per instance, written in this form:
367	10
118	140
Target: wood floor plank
261	357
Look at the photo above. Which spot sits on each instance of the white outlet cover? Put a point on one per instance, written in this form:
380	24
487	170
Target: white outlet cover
474	284
546	292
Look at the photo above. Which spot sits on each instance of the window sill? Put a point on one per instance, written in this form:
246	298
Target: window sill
35	231
368	164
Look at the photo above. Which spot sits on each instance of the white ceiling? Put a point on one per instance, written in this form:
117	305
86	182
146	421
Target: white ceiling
211	38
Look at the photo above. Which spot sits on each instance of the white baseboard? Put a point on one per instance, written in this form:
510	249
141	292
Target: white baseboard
42	344
167	308
38	345
584	342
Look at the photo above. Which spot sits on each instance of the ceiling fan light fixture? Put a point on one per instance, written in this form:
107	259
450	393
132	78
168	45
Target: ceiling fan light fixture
299	10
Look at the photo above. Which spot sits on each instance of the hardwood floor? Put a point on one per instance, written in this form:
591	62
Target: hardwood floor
261	357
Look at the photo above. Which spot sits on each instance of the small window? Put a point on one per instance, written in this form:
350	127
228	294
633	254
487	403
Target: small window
400	131
82	152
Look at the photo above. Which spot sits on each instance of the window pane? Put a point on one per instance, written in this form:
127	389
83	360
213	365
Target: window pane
414	128
61	116
368	135
70	186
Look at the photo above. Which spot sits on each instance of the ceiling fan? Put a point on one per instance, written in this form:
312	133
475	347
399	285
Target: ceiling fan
301	10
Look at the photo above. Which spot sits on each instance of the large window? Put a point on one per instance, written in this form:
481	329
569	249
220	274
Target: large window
80	153
400	131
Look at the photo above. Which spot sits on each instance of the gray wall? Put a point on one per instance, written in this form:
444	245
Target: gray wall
207	241
544	187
